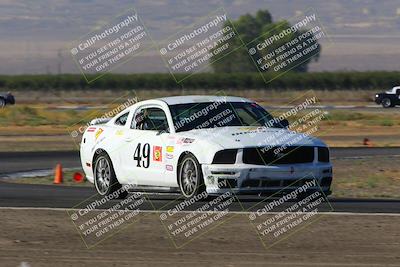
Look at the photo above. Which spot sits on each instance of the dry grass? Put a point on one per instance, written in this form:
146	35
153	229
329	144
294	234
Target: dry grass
37	143
24	128
31	116
377	177
37	126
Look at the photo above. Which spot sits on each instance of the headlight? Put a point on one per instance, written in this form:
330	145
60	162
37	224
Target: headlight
227	156
376	95
323	154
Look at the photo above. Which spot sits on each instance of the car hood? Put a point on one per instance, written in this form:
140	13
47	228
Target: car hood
247	136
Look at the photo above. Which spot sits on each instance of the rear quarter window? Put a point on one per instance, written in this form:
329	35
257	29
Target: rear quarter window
121	120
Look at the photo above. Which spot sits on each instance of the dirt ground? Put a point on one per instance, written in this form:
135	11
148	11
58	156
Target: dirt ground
48	238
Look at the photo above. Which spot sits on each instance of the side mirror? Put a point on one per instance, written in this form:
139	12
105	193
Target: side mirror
162	132
163	128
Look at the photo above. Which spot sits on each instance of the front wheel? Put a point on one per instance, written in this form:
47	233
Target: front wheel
105	181
2	102
190	177
387	103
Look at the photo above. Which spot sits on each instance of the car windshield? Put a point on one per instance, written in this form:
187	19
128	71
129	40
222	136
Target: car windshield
191	116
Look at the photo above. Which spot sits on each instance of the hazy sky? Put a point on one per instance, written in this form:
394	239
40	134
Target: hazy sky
36	34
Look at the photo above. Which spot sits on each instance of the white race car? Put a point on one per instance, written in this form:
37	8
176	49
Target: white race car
193	144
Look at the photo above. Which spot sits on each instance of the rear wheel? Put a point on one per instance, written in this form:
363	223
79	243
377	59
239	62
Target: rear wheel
190	177
105	181
387	103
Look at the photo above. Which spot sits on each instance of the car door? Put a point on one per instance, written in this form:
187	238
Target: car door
143	155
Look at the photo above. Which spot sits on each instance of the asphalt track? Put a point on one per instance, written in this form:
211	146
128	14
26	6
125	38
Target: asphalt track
49	196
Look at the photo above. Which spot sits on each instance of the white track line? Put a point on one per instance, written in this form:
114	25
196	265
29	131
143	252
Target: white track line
233	212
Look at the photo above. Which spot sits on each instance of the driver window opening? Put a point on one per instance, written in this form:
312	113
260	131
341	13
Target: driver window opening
150	119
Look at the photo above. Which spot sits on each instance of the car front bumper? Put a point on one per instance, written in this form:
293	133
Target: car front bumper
256	179
378	100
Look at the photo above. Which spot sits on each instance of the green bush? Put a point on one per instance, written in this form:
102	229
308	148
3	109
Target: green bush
290	80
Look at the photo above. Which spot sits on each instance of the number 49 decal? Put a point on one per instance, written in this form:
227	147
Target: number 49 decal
142	156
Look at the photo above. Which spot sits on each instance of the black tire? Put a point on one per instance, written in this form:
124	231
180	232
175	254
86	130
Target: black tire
387	103
190	176
303	195
105	180
2	102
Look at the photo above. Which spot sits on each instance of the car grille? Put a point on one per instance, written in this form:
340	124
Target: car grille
253	183
289	155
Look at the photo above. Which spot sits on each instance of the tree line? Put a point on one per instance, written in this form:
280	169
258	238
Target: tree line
291	81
